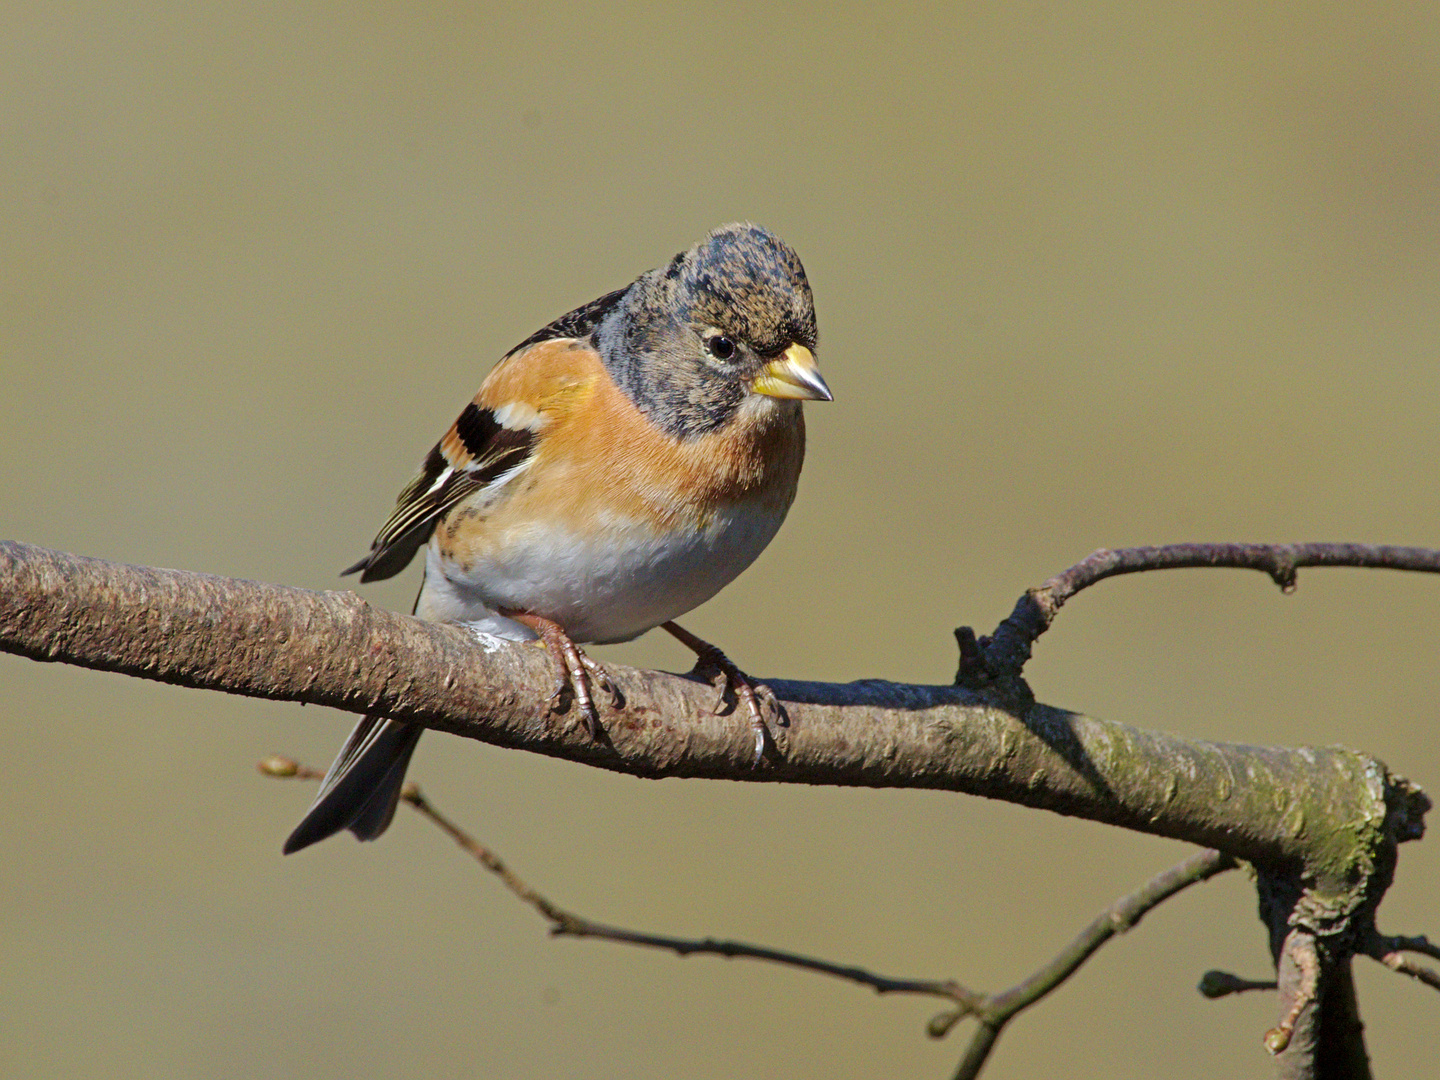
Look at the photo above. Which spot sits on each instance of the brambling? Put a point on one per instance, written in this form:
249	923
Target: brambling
615	470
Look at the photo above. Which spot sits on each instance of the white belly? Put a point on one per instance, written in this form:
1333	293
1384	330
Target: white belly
616	583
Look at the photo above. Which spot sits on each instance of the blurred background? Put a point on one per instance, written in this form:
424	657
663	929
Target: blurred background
1086	275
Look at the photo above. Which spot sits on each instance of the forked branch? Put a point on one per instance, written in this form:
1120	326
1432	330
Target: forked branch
991	1011
987	736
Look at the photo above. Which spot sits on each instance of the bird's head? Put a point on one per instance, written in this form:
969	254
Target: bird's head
723	323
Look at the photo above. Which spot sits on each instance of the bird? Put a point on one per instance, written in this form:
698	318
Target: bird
615	470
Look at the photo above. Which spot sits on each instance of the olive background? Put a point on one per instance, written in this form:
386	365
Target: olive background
1086	275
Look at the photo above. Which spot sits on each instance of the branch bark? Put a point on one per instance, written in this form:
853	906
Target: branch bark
1321	824
1006	651
333	648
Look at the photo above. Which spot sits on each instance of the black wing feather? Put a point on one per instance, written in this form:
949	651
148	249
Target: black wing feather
493	449
579	323
426	498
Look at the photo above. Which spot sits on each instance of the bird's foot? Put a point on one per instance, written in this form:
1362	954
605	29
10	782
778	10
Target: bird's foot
754	697
575	672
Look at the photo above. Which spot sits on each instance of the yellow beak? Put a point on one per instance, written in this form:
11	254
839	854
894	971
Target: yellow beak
793	374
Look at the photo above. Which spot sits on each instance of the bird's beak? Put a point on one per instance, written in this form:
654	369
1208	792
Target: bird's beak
793	374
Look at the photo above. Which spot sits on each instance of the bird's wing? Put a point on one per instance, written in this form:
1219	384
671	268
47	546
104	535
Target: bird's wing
495	435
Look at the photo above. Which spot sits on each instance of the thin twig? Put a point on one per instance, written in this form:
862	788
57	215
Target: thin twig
997	1010
1419	944
993	1011
1218	984
1399	962
1391	951
1004	653
567	924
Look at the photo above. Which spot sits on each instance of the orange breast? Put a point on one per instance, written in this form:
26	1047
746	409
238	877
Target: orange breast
598	461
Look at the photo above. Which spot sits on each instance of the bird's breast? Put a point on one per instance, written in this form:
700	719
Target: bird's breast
614	536
611	580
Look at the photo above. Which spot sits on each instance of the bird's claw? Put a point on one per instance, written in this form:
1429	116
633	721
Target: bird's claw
574	672
602	679
577	673
755	698
728	677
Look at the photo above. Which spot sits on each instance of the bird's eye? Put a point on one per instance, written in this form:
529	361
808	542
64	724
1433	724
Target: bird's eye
720	347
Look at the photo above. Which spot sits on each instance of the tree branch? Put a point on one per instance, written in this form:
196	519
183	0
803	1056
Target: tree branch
993	1011
997	1010
1320	824
1218	984
334	649
1391	951
565	923
1006	652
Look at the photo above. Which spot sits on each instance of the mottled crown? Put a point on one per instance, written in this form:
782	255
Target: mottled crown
741	281
744	279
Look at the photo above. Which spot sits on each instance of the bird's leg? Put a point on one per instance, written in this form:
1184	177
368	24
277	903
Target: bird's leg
574	670
710	660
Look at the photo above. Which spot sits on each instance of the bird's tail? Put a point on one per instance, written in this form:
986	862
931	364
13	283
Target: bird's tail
362	788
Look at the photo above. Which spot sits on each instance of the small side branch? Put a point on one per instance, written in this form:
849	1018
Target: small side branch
1004	654
1218	984
992	1011
997	1010
1299	984
568	924
1391	951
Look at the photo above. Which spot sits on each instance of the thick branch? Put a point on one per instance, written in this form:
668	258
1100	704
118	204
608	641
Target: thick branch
334	649
1321	825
